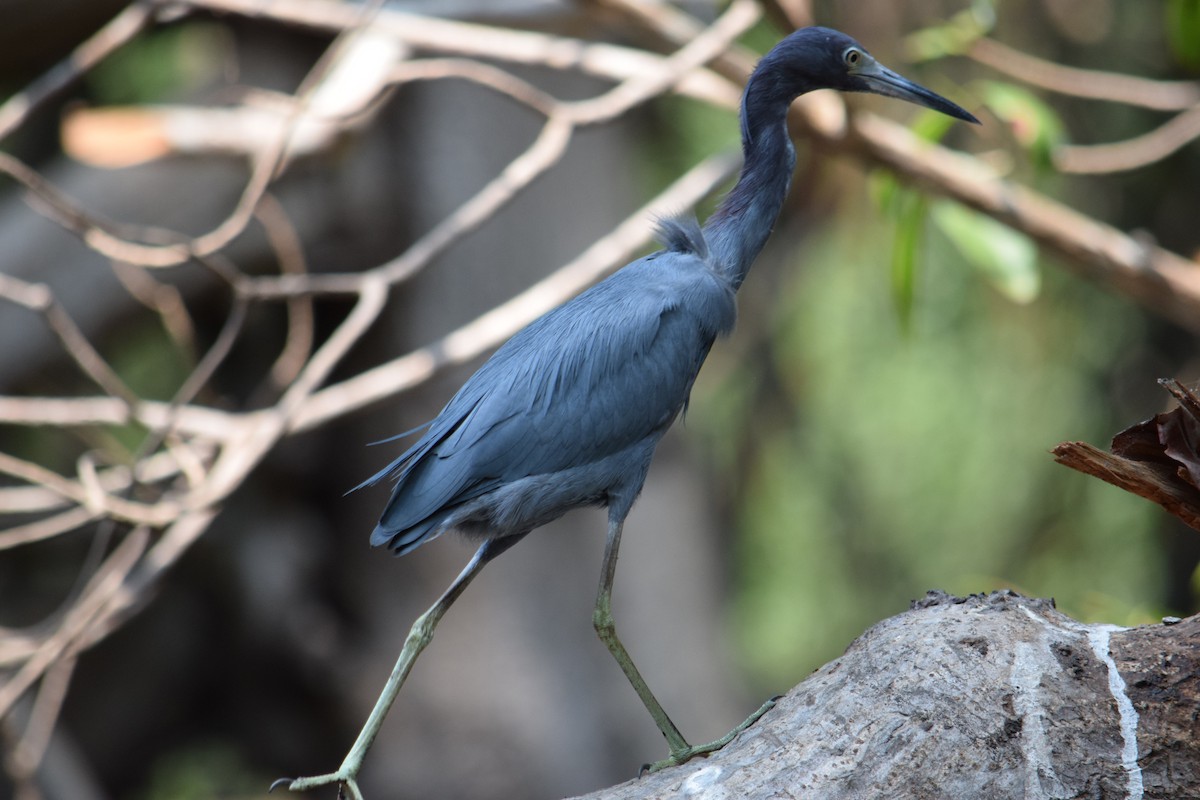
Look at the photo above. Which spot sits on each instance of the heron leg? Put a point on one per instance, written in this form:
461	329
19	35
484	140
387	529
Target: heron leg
418	638
606	629
602	620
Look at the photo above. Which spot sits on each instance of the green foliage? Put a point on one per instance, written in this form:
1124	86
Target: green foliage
148	361
1182	25
911	211
1006	257
922	462
160	63
202	772
955	35
153	368
1035	126
692	132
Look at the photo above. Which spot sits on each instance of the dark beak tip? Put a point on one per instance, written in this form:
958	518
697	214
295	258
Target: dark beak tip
891	84
952	109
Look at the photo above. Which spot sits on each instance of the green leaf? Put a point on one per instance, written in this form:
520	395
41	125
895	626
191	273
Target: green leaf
160	64
909	209
1034	125
905	251
885	190
1007	258
1183	31
954	36
931	126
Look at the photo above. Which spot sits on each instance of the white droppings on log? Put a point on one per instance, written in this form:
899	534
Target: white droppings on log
704	784
1098	638
1030	662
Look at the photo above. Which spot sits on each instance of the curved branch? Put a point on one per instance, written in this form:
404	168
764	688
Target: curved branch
1140	151
1164	282
610	62
1086	83
120	30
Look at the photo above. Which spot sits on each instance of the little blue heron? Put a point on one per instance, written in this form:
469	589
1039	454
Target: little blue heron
568	412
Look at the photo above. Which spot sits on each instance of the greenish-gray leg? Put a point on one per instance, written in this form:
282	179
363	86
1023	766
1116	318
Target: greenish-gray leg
418	638
602	619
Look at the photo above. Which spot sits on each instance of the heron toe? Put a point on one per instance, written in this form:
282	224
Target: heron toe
683	756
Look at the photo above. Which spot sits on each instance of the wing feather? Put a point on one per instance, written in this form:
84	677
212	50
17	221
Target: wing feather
588	379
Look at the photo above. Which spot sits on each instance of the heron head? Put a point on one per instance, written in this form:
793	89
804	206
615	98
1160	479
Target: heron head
821	58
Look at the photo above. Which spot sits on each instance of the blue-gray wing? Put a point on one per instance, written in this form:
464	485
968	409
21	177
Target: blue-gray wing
587	380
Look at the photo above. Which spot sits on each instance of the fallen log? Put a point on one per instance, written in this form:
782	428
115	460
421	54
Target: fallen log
988	696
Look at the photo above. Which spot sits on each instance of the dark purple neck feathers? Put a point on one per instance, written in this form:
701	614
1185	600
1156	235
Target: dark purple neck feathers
737	231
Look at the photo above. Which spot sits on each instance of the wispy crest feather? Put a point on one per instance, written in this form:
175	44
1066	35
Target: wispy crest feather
681	234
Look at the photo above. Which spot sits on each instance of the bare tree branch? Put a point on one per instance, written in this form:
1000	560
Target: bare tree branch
39	299
289	251
1164	282
1140	151
104	587
1090	84
120	30
479	41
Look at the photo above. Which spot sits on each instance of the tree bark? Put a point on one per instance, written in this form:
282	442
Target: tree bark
994	696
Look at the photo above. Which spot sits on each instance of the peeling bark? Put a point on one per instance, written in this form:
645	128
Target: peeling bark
1158	459
994	696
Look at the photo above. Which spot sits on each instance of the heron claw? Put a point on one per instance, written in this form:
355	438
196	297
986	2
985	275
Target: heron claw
347	786
687	754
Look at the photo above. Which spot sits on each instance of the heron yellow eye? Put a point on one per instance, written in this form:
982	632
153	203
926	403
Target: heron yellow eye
852	57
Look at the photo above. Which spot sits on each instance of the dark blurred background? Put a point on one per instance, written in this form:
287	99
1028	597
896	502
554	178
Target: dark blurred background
844	452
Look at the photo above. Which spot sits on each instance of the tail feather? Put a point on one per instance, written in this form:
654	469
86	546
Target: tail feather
406	540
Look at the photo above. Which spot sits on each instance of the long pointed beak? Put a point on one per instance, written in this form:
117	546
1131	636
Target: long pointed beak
878	79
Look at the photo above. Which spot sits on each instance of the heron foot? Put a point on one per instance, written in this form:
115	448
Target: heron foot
690	752
344	778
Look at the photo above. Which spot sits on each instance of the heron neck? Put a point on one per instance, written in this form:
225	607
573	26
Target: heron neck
737	231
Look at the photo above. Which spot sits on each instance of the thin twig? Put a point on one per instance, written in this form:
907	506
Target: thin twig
155	515
285	241
72	519
706	45
234	463
209	423
1164	282
120	30
481	74
550	145
265	163
39	299
1087	83
164	300
25	756
610	62
179	458
103	586
1140	151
